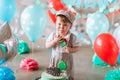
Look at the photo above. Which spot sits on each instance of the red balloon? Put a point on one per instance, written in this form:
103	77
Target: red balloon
106	48
57	5
52	16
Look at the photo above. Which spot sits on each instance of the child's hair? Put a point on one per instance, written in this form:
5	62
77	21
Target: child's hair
67	14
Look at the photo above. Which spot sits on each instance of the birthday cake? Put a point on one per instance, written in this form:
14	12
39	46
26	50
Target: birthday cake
52	73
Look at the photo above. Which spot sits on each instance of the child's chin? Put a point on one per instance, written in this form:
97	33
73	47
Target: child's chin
62	32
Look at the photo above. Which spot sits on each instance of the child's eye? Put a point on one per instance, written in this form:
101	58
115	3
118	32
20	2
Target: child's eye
59	24
65	24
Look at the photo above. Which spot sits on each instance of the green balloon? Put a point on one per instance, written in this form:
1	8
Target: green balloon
62	65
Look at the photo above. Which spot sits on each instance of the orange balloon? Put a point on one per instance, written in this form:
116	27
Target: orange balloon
106	48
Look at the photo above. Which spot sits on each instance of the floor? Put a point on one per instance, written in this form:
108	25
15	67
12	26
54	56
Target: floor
83	66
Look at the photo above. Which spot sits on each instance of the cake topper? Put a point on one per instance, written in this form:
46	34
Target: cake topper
63	42
62	65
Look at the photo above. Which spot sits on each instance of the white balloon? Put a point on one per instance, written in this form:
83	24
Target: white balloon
8	42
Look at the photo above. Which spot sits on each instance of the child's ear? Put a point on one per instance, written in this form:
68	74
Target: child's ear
71	26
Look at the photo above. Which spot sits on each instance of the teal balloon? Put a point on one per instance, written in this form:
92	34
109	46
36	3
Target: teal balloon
88	5
7	10
97	61
119	58
6	73
69	2
112	75
33	21
2	61
103	3
78	3
96	24
116	35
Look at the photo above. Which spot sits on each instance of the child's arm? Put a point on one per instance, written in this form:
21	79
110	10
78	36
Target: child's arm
54	42
50	44
71	50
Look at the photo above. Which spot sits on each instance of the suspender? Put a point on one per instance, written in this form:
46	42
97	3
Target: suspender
70	40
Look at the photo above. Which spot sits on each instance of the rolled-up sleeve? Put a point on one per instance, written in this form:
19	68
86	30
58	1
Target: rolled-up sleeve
76	41
50	37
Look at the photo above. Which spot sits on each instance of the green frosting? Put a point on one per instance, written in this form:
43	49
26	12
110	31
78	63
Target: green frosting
113	75
23	47
2	46
96	60
62	65
46	76
63	43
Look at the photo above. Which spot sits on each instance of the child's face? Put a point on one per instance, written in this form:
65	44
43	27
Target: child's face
62	26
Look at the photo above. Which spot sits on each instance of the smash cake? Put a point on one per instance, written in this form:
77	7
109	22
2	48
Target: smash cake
52	73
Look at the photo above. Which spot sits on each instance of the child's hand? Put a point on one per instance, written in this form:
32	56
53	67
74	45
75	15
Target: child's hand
57	38
71	50
67	49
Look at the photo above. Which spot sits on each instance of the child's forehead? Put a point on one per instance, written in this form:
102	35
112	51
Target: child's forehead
67	14
62	19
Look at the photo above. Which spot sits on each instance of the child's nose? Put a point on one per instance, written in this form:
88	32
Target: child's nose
61	26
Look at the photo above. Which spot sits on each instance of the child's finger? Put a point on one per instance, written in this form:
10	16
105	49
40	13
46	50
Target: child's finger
65	47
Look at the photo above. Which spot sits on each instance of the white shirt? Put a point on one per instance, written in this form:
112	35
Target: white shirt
58	49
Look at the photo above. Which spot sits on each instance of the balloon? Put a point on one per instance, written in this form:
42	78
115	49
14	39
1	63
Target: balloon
96	24
62	65
33	21
52	16
112	75
25	2
69	2
97	61
106	48
8	43
2	61
7	10
5	32
6	73
116	34
56	5
119	58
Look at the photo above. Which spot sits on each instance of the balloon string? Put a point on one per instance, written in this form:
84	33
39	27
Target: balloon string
113	19
78	62
32	48
115	67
